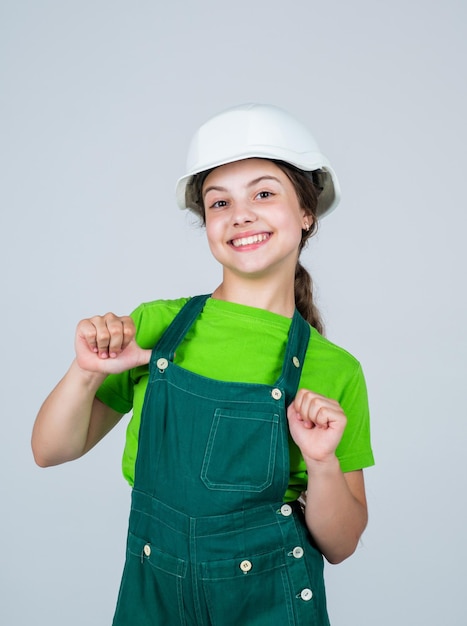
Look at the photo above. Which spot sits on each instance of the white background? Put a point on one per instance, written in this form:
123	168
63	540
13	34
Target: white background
98	101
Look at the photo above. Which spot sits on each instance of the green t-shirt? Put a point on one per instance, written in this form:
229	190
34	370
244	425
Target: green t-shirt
237	343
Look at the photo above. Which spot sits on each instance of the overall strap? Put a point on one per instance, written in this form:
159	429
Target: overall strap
179	326
297	344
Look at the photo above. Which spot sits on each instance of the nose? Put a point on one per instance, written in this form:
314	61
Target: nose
243	213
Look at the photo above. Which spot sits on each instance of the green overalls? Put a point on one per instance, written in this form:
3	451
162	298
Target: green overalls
210	540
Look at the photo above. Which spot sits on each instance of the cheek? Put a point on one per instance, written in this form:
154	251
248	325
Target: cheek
214	232
293	225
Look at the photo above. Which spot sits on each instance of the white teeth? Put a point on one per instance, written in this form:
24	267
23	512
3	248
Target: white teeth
246	241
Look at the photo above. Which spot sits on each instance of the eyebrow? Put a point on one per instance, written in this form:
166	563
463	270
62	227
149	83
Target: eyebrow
252	183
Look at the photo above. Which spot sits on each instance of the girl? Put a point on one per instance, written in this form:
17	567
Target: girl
239	403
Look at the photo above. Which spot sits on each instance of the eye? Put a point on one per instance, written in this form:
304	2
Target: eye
219	204
264	194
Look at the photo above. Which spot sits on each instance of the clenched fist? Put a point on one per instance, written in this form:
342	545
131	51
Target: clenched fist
106	344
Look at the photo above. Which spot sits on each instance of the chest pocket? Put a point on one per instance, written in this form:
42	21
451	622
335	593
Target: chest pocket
241	450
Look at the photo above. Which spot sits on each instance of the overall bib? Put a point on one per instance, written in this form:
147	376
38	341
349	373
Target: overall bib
210	540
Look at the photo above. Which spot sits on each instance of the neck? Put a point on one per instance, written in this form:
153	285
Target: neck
276	296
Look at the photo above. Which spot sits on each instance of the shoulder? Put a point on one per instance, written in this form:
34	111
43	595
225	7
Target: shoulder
319	347
329	369
152	319
160	307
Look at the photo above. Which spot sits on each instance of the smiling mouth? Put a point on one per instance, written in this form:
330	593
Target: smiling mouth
248	241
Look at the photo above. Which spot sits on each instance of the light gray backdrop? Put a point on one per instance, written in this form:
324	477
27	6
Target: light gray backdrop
97	103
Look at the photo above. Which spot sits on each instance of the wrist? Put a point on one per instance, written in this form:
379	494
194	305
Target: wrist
91	380
328	465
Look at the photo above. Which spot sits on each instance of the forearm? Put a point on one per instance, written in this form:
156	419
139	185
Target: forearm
61	428
335	517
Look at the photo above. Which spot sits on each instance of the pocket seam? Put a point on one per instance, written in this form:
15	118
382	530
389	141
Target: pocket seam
272	418
175	566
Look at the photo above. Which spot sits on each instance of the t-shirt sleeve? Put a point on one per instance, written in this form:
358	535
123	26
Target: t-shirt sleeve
151	319
116	392
354	451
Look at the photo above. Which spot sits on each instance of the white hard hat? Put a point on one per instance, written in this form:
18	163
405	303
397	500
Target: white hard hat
261	131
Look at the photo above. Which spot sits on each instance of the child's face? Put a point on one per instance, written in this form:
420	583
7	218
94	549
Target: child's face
254	220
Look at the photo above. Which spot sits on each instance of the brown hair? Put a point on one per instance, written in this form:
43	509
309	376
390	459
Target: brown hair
307	191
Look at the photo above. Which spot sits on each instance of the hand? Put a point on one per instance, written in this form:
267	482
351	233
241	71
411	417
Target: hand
316	425
106	344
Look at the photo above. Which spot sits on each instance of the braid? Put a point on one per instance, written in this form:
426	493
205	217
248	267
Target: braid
304	298
307	192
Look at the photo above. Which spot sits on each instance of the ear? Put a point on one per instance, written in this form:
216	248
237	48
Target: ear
307	222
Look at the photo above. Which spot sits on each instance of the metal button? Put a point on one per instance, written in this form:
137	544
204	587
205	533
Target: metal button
296	361
147	549
298	552
286	510
276	394
162	364
246	566
306	594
